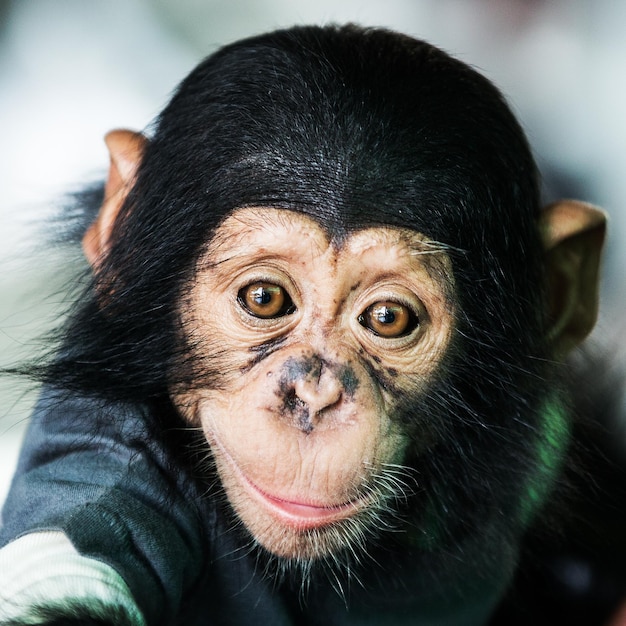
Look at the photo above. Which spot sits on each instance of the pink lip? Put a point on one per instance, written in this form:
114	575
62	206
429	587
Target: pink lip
300	514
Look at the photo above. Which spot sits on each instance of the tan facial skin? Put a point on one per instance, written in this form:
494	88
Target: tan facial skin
302	419
298	434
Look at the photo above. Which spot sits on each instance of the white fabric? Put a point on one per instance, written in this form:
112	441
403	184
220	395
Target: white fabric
45	568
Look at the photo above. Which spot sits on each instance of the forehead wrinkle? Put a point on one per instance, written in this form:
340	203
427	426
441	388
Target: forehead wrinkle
263	228
404	240
274	230
239	225
431	256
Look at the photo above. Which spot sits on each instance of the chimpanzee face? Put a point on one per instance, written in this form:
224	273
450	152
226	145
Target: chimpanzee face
320	342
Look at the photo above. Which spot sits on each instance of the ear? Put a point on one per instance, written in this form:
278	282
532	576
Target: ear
125	149
573	235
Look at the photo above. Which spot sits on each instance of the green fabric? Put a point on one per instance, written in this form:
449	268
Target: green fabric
552	443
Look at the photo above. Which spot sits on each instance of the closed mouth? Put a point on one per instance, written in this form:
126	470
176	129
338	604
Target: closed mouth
301	514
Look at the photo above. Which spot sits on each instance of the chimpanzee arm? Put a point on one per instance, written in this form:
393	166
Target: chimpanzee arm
95	529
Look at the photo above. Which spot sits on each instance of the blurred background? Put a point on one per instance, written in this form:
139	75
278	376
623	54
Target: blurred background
72	69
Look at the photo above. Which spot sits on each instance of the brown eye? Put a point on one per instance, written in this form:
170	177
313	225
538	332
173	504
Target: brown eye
265	300
389	319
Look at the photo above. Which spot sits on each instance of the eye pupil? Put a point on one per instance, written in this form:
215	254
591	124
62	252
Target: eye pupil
261	295
385	315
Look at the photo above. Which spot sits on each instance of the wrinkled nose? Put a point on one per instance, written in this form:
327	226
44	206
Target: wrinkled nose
319	389
309	386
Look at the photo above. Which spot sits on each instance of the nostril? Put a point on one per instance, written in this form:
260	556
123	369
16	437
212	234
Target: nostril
293	402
